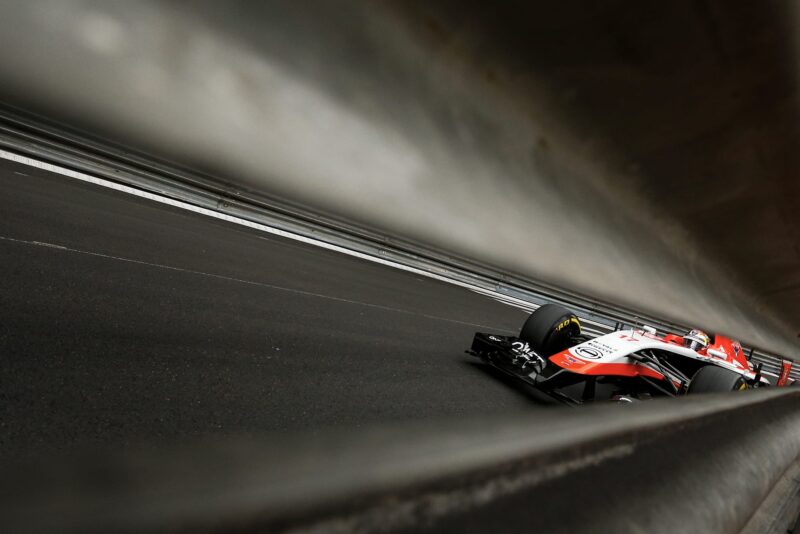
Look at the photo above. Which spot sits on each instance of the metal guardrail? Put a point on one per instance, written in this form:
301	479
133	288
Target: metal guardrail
37	137
694	464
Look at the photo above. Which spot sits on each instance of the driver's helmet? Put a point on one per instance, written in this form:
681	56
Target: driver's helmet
696	340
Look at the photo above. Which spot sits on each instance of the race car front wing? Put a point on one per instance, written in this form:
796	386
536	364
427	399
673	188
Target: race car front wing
516	358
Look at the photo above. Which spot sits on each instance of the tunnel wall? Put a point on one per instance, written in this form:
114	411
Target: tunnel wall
571	144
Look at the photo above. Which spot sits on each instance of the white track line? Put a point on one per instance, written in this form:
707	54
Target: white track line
63	171
236	280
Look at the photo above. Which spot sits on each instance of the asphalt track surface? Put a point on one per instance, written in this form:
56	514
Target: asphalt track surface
125	322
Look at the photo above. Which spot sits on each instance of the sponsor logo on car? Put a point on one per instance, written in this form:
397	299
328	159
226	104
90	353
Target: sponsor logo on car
590	353
592	350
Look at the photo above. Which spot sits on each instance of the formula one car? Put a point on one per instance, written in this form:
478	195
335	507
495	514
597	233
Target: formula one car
552	355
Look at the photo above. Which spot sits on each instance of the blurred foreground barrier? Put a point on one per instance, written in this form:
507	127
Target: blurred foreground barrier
696	464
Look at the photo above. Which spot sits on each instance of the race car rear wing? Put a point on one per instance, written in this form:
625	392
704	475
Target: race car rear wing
786	368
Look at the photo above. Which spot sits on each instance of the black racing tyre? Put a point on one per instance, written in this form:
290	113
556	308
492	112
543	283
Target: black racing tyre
550	329
713	379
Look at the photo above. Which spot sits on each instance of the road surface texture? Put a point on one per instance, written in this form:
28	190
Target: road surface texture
125	322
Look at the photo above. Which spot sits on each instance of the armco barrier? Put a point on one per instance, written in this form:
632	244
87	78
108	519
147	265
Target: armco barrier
696	464
38	138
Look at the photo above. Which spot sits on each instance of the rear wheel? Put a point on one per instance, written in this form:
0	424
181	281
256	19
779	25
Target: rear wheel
713	379
550	329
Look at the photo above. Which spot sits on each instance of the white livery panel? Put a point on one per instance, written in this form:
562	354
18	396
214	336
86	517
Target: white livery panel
616	347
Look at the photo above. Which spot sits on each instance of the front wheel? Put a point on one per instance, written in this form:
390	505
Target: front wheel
713	379
550	329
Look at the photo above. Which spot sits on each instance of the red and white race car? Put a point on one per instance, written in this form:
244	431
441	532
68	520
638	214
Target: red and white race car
552	355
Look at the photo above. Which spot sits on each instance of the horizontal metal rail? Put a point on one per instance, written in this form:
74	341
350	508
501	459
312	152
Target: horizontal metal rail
37	137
